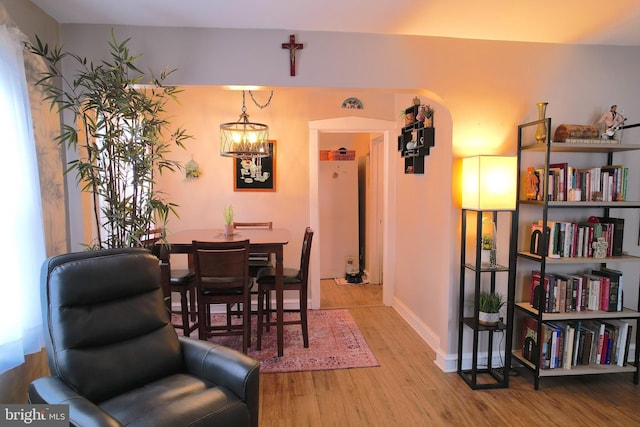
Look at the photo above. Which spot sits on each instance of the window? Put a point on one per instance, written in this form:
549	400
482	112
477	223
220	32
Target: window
23	251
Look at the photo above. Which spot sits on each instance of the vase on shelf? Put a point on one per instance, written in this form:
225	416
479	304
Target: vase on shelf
488	253
541	130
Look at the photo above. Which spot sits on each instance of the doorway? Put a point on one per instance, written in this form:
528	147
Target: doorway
349	191
385	215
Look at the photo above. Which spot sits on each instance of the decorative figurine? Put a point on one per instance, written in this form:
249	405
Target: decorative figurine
613	121
533	184
600	248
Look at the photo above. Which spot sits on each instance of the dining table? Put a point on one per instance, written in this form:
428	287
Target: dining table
260	240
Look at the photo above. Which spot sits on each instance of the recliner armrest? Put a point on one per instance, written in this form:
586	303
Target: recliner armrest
225	367
82	412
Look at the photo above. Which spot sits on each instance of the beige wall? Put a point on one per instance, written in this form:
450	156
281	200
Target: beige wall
29	19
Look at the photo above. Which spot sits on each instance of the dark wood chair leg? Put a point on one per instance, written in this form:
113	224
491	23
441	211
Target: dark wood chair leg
184	305
303	320
268	309
246	325
202	324
193	305
259	320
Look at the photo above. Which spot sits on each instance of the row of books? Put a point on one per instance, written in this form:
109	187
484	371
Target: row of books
565	345
575	239
568	183
562	293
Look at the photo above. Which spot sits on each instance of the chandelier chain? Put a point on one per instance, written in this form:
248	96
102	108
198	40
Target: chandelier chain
266	104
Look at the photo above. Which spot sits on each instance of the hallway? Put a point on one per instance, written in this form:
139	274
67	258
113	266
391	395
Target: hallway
349	296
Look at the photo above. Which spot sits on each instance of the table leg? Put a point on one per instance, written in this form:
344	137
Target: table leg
279	301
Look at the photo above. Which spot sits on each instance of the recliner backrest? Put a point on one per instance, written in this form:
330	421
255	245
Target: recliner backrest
107	327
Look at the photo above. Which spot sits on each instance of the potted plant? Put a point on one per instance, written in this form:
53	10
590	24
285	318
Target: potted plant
117	127
228	220
489	305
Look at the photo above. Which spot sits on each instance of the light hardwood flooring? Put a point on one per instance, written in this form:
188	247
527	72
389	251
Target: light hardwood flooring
408	389
349	296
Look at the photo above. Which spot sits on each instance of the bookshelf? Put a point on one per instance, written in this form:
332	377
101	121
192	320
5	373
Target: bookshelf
564	263
483	373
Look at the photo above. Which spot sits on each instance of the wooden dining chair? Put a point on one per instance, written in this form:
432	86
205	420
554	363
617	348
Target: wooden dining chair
257	260
180	281
296	280
222	277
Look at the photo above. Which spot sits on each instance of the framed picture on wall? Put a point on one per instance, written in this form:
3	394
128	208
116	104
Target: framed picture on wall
256	174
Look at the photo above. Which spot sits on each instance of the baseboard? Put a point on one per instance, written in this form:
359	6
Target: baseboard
443	360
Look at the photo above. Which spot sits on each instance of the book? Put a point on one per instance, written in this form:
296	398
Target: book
541	294
553	238
592	283
604	293
560	171
612	283
576	342
587	352
569	346
626	349
618	234
616	278
600	345
622	329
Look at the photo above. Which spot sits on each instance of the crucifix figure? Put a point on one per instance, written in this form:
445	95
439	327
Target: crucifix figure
293	47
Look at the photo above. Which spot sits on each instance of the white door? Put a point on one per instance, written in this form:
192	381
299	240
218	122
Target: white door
338	205
375	213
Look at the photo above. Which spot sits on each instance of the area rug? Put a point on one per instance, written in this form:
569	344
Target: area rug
335	342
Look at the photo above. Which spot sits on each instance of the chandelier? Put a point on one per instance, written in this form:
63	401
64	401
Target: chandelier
245	139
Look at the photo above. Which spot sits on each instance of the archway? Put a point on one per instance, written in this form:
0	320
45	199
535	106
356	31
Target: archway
353	125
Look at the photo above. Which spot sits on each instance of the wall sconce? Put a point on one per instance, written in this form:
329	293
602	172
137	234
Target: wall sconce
489	183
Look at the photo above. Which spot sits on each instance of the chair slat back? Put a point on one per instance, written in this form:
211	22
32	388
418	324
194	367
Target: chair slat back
305	255
221	265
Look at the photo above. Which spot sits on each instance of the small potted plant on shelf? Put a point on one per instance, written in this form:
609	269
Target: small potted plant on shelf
228	220
489	305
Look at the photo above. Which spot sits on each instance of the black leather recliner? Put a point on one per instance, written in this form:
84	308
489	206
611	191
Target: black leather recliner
115	358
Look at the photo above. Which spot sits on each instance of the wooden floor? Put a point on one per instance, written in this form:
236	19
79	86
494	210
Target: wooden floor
408	389
349	296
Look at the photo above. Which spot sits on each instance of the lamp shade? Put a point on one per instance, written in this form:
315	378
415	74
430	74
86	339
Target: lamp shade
489	183
244	139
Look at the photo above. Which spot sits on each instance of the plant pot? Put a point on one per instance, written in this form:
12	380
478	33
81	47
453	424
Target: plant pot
228	229
488	257
488	319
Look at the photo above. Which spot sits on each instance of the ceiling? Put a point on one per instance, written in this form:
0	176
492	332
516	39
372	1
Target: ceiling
547	21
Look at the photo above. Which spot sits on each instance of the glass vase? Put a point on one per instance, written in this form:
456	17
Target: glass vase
489	256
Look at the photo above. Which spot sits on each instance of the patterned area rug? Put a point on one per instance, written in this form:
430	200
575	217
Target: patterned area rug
335	342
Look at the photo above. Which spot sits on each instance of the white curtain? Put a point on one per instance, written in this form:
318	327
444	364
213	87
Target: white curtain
23	250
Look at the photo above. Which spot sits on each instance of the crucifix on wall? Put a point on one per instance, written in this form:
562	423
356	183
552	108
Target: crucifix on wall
293	48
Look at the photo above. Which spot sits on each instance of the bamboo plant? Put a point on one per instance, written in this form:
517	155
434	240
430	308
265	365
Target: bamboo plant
118	128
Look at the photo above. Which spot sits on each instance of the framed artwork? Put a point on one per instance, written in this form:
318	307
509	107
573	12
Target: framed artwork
256	174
